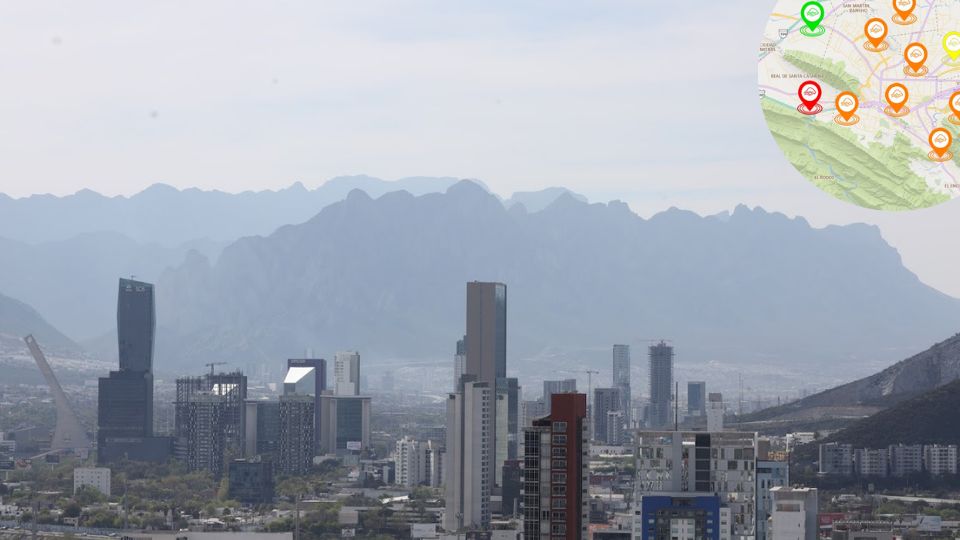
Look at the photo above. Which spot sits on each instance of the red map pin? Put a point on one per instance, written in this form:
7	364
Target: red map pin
810	94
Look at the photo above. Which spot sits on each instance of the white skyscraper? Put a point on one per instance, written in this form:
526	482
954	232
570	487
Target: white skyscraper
469	480
346	373
411	461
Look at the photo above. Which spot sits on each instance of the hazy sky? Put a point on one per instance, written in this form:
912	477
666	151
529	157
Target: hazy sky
654	103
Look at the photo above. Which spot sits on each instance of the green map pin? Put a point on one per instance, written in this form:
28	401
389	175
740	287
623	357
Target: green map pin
812	14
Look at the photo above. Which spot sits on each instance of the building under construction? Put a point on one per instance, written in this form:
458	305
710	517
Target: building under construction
208	423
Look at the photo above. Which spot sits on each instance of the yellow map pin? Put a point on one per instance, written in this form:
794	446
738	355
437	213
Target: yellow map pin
951	44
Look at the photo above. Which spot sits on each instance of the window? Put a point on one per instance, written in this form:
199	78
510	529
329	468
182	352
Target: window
559	478
559	427
559	439
559	452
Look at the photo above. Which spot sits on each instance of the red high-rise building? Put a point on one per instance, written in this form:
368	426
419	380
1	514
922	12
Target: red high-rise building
555	476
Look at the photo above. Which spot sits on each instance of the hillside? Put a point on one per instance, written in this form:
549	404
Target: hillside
918	374
18	319
751	290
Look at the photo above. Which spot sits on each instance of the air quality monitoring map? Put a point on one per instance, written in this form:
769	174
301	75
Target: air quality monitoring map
863	97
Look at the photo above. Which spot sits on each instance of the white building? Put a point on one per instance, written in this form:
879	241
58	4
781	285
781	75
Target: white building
95	477
836	458
905	459
715	412
794	513
872	462
615	434
698	463
469	480
346	373
411	460
938	459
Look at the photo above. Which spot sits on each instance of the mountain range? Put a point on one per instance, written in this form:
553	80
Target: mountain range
385	274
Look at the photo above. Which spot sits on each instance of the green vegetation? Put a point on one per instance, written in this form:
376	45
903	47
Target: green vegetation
828	71
873	176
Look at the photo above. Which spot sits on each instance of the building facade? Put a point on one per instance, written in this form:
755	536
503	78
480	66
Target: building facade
94	477
770	474
411	460
605	400
696	398
871	462
296	450
794	514
250	481
469	471
344	424
346	373
621	380
661	385
555	495
940	459
678	518
836	458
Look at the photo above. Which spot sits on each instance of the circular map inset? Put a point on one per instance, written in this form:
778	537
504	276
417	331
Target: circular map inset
858	93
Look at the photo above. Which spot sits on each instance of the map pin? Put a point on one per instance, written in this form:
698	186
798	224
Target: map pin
897	96
810	93
847	105
904	9
951	44
940	140
955	107
916	56
876	31
812	14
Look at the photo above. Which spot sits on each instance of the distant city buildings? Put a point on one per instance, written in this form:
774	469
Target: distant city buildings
556	387
661	385
344	424
715	411
319	366
696	398
836	458
296	450
209	424
556	470
605	400
92	477
897	460
459	362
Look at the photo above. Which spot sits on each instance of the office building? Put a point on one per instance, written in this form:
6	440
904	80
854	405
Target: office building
836	458
615	434
905	459
469	471
770	474
296	448
436	456
319	366
939	459
697	463
344	424
250	481
556	471
794	514
201	433
225	391
125	397
512	485
664	517
97	478
550	388
661	385
715	411
508	423
410	457
621	380
696	398
871	462
459	362
262	430
346	373
605	400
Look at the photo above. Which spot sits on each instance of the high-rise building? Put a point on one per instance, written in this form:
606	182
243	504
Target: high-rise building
794	514
605	400
555	471
836	458
557	387
621	380
715	411
508	422
296	451
770	474
250	481
410	457
262	430
699	463
346	373
230	390
531	410
469	470
201	440
661	385
344	424
319	366
125	397
615	434
696	398
459	362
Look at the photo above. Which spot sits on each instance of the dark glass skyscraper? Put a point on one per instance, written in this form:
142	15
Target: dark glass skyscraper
125	398
661	384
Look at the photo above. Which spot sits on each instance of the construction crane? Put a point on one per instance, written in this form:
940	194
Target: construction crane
212	364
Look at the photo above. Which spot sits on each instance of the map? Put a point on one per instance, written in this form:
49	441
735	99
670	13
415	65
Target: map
863	97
